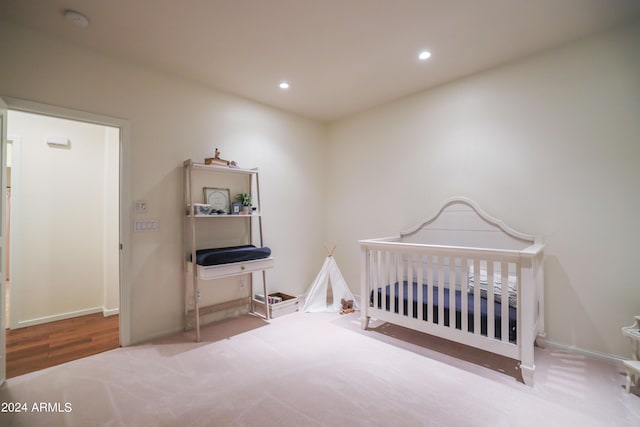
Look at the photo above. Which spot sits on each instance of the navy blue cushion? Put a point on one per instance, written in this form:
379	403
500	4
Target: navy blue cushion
216	256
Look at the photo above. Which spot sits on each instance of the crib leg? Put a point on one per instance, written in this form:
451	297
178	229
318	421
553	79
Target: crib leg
364	321
527	374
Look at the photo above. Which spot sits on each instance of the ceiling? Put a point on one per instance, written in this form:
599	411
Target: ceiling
339	56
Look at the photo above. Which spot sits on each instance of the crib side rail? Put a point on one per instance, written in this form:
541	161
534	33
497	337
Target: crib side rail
394	242
441	289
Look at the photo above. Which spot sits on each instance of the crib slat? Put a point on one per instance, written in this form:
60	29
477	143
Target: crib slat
452	292
519	296
385	280
393	270
402	274
491	333
419	297
370	265
399	277
429	288
504	292
380	283
375	279
519	293
370	280
410	296
400	280
388	281
464	283
440	281
393	273
477	294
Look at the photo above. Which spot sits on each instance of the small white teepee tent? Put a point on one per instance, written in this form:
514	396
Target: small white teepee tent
315	300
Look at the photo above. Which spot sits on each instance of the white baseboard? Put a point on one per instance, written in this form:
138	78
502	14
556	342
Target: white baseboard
61	316
605	357
110	311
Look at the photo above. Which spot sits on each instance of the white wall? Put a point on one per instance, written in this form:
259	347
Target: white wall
173	120
60	223
549	144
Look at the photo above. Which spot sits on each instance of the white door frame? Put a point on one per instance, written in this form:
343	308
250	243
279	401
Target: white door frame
124	197
16	213
3	228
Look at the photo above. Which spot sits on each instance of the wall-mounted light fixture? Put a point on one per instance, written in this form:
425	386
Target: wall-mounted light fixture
58	141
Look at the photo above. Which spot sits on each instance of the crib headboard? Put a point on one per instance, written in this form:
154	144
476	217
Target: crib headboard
461	222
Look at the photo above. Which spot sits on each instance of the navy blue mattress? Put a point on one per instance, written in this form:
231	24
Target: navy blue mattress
470	307
207	257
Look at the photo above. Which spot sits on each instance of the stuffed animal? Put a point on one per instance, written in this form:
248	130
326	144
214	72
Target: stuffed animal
347	306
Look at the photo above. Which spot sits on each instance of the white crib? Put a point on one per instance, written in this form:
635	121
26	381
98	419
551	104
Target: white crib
442	263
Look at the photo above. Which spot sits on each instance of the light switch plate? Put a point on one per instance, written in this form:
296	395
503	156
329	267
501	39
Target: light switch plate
141	206
145	226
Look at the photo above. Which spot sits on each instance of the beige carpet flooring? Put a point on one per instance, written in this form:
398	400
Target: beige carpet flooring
318	370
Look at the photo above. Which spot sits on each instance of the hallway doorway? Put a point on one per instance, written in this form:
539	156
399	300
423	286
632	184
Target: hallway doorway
63	216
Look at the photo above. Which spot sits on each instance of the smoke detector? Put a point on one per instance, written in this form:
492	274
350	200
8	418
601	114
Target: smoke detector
76	18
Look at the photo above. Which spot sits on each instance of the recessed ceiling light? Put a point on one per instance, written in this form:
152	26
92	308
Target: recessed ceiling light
424	55
284	85
76	18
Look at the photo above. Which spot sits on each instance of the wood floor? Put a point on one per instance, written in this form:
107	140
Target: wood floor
37	347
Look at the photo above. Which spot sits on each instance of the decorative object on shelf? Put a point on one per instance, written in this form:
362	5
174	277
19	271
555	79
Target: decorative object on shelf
235	208
216	160
218	198
202	209
245	200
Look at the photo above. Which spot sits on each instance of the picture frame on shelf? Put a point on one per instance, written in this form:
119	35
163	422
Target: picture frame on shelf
235	208
218	198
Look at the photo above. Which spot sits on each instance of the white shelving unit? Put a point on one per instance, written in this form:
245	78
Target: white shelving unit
215	231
